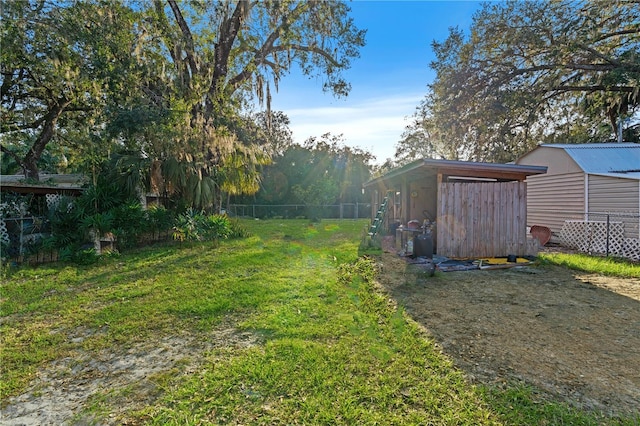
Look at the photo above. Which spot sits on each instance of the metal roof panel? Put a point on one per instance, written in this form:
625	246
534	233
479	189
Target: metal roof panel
603	157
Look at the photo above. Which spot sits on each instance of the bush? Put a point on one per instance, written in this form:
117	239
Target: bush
101	210
129	223
216	227
82	256
66	235
98	222
159	220
196	226
237	230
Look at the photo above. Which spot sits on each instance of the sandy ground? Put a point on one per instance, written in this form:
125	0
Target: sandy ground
71	391
573	336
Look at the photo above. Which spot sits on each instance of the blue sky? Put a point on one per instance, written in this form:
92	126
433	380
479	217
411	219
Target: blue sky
388	80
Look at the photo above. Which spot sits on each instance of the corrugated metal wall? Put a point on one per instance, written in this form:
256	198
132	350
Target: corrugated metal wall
552	199
482	219
618	197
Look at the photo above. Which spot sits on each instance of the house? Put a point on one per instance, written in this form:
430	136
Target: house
478	209
595	185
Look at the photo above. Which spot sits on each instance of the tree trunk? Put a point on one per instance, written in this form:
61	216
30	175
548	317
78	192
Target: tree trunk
228	33
30	161
612	115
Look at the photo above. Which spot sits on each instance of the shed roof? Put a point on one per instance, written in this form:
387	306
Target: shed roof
599	158
49	184
421	169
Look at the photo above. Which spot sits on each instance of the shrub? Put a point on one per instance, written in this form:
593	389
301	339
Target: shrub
83	256
100	210
237	230
159	220
196	226
129	223
186	228
216	227
98	222
66	235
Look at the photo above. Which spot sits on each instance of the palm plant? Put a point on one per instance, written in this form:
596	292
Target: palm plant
220	164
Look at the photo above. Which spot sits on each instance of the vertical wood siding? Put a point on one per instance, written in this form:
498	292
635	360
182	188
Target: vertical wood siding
552	199
482	219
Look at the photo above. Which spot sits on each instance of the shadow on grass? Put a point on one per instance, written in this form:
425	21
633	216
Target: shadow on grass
536	326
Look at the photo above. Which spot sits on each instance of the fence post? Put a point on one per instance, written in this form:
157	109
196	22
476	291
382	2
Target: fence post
20	249
356	216
608	227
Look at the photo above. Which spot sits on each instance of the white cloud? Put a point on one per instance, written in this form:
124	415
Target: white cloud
373	124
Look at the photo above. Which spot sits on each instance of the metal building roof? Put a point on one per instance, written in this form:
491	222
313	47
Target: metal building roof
618	158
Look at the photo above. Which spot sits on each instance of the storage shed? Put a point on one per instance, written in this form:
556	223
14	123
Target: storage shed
595	184
478	209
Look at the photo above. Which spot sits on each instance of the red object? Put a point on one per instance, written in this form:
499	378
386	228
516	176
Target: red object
413	224
541	233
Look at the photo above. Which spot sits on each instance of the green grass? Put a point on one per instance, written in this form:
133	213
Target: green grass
600	265
332	349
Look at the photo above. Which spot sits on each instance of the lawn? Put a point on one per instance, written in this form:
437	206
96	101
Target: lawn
610	266
286	326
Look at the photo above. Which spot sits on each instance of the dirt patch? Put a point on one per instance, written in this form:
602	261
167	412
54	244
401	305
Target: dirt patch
113	382
573	336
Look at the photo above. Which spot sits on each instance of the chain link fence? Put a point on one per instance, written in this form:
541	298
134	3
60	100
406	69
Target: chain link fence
298	211
21	238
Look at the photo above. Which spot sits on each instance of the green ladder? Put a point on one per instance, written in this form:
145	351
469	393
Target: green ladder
378	223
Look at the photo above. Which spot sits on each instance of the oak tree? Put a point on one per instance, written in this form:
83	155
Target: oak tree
60	61
530	72
224	55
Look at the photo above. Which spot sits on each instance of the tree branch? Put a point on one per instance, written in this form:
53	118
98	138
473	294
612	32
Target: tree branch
312	49
175	56
228	32
188	37
596	88
598	54
12	127
260	56
260	59
617	34
12	155
508	75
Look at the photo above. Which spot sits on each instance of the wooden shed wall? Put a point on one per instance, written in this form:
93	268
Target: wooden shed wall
482	219
552	199
424	204
620	197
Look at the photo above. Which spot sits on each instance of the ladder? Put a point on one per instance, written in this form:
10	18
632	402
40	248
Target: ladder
377	226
